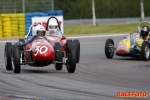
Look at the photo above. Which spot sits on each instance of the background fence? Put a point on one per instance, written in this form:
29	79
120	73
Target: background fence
16	15
25	6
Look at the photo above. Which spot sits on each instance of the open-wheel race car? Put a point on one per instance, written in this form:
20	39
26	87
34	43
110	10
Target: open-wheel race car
41	52
133	45
57	36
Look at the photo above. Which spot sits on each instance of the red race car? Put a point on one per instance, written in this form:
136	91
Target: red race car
57	36
39	53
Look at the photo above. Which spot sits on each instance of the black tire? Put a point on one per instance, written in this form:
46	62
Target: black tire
7	55
16	59
109	48
69	42
58	56
71	63
145	51
22	40
77	49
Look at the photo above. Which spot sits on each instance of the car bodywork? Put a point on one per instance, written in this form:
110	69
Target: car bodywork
133	45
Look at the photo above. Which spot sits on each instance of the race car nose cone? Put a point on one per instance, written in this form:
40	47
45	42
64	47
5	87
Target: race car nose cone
43	52
122	49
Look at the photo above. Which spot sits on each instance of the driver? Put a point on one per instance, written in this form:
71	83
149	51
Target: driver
40	32
144	32
53	28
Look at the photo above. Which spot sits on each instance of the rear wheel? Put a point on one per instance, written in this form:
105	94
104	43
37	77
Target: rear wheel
7	55
16	59
58	56
71	63
109	48
145	51
77	49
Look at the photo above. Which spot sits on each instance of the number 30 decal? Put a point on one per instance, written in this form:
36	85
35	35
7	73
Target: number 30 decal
39	50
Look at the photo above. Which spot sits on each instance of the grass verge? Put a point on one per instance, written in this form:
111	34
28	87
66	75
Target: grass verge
71	30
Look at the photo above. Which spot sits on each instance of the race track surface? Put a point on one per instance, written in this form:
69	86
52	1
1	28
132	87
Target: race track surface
95	78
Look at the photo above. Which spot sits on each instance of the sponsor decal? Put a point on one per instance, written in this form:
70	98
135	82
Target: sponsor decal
132	94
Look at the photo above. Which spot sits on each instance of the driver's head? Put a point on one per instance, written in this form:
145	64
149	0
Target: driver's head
53	26
40	30
144	31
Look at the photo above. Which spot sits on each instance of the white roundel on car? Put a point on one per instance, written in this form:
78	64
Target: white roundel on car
41	50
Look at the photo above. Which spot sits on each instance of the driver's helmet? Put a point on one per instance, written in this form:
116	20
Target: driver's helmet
40	30
144	31
52	26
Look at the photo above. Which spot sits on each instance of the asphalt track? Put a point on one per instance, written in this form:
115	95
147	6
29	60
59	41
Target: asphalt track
95	78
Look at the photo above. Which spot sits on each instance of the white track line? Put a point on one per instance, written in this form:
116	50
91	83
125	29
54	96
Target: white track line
9	40
97	36
73	37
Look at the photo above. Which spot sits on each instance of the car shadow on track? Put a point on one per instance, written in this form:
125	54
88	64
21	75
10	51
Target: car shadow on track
126	58
49	71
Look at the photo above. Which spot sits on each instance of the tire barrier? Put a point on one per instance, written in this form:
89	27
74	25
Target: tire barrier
6	25
1	35
21	25
14	25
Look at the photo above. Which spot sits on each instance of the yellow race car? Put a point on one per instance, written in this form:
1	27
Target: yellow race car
132	45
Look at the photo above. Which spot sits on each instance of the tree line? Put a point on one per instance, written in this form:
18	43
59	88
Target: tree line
79	9
82	9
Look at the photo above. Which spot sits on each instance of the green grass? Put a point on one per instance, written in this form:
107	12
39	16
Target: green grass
100	29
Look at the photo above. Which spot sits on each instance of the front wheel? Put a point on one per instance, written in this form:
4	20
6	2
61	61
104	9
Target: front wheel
7	55
16	59
77	49
109	48
145	51
71	62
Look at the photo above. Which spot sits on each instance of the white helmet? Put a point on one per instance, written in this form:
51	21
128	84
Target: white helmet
53	23
53	26
40	28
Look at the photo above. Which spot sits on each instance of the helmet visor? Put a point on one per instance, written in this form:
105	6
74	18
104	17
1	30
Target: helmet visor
52	27
144	33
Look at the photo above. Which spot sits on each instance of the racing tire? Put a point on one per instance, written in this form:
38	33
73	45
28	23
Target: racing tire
145	51
7	55
109	48
58	56
71	63
16	59
69	42
77	49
